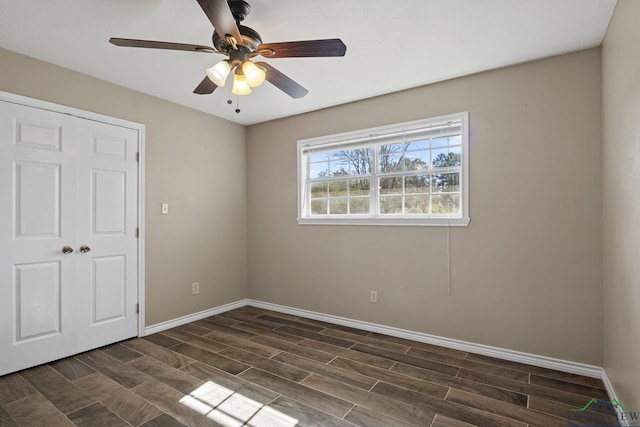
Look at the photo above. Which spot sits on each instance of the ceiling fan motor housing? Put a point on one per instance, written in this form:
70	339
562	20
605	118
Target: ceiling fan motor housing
250	39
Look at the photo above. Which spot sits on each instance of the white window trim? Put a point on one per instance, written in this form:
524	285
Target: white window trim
392	220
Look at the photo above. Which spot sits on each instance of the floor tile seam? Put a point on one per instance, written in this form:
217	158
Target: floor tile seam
348	412
538	371
532	387
564	383
336	368
43	397
584	396
11	417
78	389
198	346
369	343
152	378
130	362
192	360
83	407
274	374
29	384
101	404
603	388
515	407
475	382
235	347
525	382
353	404
300	383
494	414
480	364
407	362
257	355
301	338
377	379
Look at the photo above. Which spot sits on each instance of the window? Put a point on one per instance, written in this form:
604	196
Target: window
413	173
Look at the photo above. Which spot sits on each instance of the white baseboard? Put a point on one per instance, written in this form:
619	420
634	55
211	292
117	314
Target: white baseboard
159	327
613	396
500	353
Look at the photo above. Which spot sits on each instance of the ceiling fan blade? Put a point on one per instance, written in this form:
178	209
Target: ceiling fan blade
221	17
205	87
283	82
306	48
160	45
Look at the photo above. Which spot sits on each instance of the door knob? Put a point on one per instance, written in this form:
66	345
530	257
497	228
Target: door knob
84	249
67	249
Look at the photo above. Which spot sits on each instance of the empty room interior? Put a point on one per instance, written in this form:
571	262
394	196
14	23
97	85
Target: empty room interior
447	239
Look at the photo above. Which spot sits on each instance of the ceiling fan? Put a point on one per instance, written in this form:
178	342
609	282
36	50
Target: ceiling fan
240	44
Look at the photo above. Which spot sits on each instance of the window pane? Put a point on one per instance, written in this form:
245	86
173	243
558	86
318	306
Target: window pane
446	182
339	167
418	145
359	205
391	185
416	184
417	204
455	140
338	189
359	187
446	141
390	163
360	165
446	157
318	170
445	204
361	152
318	157
416	160
319	207
391	148
391	205
338	206
319	190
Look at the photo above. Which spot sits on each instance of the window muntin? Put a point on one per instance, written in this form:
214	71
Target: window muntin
412	173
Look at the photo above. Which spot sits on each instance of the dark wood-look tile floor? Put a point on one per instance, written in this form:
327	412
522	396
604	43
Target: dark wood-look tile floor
260	368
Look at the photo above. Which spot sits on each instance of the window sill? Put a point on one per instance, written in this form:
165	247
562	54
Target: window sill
395	221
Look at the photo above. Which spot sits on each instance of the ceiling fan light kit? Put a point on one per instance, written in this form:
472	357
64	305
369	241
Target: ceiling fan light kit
240	43
219	72
240	84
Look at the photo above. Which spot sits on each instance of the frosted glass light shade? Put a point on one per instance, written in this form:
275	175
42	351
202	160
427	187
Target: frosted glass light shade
254	74
240	85
219	72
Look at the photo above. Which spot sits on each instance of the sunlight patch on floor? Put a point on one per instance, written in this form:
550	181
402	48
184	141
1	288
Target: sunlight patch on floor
231	409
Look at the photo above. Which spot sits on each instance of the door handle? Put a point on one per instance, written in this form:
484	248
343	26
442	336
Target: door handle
84	249
67	249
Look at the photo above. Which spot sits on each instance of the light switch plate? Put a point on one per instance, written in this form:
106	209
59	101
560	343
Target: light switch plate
164	210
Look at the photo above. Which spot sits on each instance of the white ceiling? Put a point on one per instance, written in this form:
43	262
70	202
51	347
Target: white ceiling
391	44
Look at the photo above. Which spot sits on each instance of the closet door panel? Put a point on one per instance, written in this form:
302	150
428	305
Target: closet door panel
37	220
107	222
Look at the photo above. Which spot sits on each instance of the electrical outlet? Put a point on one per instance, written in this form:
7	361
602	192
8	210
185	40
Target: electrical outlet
195	288
373	296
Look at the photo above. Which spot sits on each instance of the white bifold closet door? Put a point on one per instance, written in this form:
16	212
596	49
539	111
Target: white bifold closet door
68	245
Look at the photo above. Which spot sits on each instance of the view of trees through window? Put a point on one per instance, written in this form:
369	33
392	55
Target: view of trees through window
417	177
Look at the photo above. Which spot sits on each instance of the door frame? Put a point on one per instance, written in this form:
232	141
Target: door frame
140	129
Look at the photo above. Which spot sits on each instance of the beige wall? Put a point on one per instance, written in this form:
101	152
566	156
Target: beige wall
526	273
621	201
194	161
